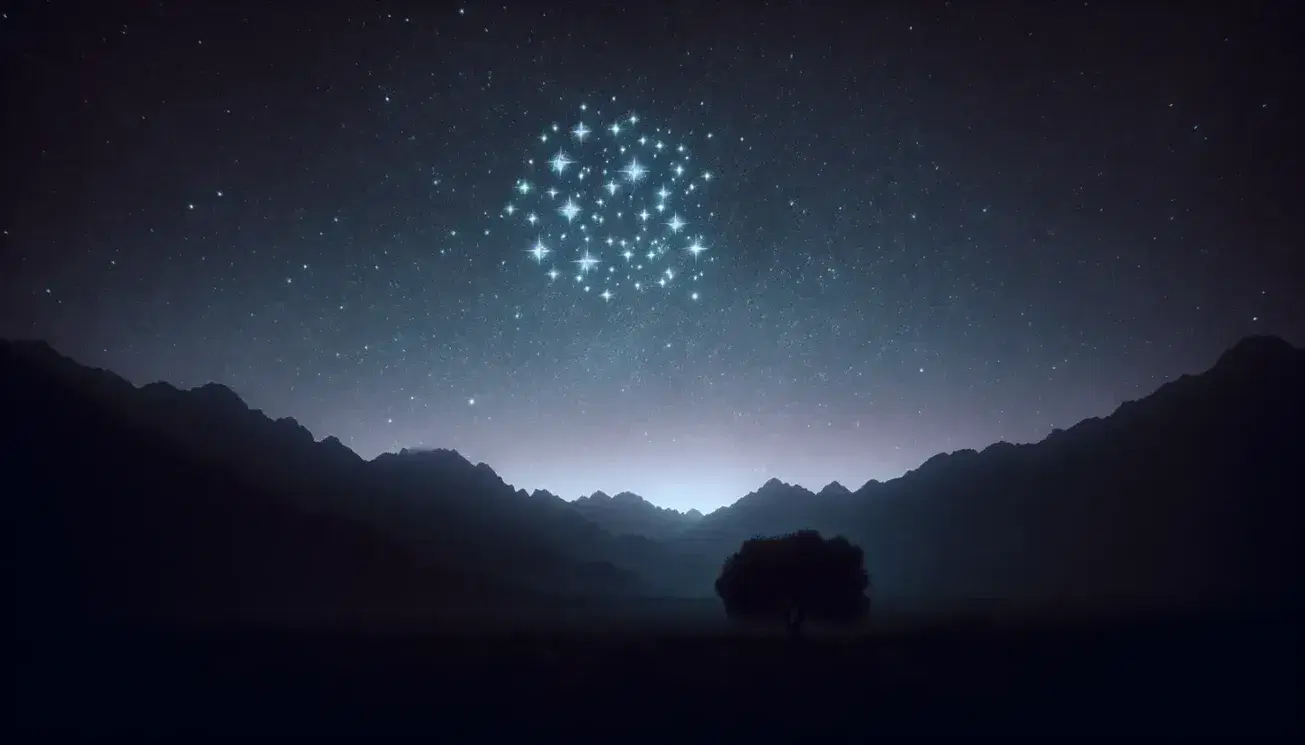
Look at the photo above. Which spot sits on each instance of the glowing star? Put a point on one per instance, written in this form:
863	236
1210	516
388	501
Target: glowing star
606	295
662	193
586	262
706	175
611	187
569	210
552	193
552	274
634	171
679	170
615	128
675	224
580	132
539	251
560	162
628	254
696	248
532	218
510	209
644	215
523	187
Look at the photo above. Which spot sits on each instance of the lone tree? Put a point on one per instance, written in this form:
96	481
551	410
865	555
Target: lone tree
795	577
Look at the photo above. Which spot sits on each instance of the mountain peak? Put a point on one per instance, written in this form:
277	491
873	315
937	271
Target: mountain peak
216	394
1256	353
629	497
834	489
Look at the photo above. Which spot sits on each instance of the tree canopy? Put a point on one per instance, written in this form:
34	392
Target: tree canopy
795	577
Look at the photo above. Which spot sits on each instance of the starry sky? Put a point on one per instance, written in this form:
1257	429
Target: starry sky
674	248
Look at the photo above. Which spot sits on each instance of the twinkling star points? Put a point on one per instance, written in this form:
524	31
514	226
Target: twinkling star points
612	199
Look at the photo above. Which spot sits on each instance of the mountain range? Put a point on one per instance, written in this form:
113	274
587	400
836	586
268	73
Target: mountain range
159	502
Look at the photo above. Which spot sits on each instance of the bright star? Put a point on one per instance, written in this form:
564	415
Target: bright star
611	187
559	162
580	132
586	262
615	128
510	209
532	218
675	224
552	274
606	295
696	248
539	251
569	210
634	171
662	193
643	215
628	254
523	187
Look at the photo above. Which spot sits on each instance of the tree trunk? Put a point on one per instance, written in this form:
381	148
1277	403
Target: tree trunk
795	616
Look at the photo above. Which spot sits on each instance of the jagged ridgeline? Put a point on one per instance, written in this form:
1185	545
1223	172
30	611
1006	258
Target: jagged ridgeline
154	500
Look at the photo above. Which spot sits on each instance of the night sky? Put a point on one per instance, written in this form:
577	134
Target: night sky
900	231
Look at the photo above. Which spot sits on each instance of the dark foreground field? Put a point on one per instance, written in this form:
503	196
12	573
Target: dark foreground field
1229	676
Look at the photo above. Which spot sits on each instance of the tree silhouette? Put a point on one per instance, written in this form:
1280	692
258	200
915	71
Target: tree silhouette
795	577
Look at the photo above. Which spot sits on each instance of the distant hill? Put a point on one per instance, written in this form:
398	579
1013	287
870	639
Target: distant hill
1189	497
630	514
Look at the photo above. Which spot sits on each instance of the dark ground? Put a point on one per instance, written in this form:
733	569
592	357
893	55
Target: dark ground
1230	676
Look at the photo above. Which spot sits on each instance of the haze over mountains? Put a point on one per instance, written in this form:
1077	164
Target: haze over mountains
161	502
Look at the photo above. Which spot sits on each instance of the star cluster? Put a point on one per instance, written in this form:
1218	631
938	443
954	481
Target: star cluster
616	208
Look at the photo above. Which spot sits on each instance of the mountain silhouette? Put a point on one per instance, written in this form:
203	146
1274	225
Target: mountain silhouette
1190	497
115	521
630	514
155	500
